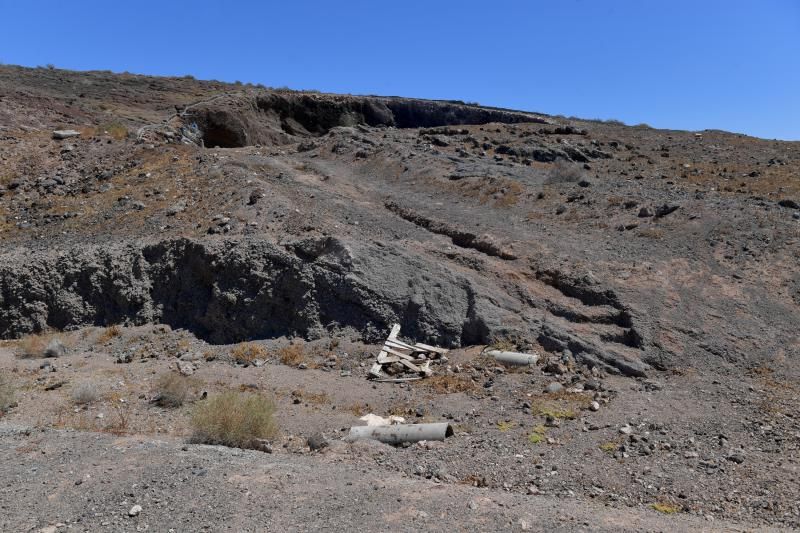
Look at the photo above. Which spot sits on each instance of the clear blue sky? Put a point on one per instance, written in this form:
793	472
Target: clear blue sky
688	64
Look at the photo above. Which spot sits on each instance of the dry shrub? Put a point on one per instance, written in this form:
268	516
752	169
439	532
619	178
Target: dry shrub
247	352
313	398
109	333
114	129
292	355
563	404
666	507
358	409
650	233
234	419
85	393
34	346
171	390
564	172
6	394
119	424
448	384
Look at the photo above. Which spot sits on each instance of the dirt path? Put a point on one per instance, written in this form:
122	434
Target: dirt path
90	482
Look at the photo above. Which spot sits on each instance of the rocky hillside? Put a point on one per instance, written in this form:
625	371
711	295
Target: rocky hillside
241	213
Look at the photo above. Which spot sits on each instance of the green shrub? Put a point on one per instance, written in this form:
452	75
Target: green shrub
234	419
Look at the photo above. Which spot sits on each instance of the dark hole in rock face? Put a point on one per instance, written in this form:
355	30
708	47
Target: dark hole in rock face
220	136
224	130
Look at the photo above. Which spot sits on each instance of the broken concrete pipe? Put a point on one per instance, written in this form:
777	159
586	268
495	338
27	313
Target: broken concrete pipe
513	358
400	433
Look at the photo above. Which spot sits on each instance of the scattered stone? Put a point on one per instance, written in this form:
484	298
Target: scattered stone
791	204
174	209
135	510
554	367
665	210
317	441
594	406
592	384
186	368
737	458
561	209
255	196
554	387
646	212
626	429
585	183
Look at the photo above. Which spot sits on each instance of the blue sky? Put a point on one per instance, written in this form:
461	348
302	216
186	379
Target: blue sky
732	65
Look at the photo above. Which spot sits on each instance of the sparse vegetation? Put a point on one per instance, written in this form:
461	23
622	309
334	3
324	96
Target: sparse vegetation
85	393
109	333
6	394
171	390
564	172
234	419
292	355
245	353
537	436
560	405
116	130
650	233
34	346
121	420
505	425
609	447
312	398
447	384
665	507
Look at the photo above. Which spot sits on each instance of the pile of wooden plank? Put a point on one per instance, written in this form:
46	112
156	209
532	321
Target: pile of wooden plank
399	361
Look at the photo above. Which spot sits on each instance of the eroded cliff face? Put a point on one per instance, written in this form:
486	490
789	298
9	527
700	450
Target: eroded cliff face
230	290
277	118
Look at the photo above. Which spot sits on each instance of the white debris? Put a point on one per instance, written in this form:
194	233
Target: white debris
375	420
65	134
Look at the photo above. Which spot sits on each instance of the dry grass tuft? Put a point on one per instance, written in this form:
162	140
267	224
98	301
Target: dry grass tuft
246	352
564	172
35	346
538	435
447	384
358	409
109	333
6	394
171	390
113	129
666	507
119	424
234	419
292	355
313	398
85	393
562	404
651	233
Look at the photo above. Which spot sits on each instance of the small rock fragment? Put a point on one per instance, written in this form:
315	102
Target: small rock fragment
554	387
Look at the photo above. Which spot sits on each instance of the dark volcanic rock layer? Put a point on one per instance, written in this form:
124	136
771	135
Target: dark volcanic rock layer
230	290
274	117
